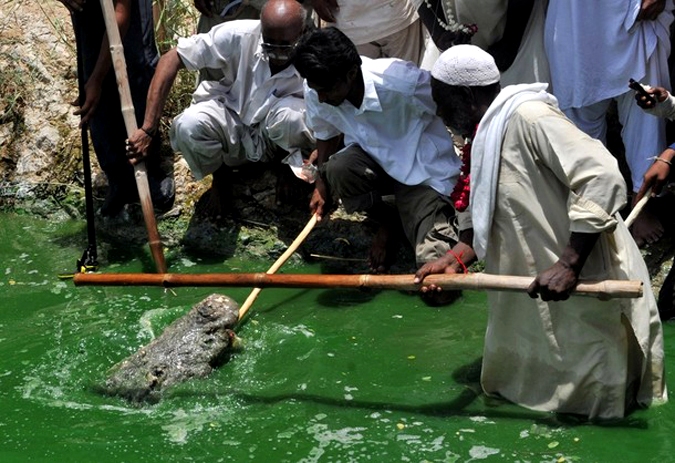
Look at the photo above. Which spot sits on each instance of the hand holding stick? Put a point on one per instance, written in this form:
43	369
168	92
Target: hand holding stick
140	173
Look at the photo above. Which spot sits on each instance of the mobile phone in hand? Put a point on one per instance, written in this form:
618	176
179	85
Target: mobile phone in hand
637	86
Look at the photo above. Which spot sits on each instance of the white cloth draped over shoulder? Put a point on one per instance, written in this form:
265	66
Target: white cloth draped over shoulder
486	155
582	356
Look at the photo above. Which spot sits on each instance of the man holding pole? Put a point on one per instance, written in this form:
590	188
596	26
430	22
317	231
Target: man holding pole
254	113
544	200
101	107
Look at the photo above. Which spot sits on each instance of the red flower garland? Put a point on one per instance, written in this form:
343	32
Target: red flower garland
460	194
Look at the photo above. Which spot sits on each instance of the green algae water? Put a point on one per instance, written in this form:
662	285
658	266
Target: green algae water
326	375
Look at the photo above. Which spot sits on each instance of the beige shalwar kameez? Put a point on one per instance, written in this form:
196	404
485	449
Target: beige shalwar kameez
582	356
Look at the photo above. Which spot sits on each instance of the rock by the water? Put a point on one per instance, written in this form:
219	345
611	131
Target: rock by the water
191	347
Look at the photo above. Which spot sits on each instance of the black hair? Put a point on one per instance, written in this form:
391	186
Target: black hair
324	56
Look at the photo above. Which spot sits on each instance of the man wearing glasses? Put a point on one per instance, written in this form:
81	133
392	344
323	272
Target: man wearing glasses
252	114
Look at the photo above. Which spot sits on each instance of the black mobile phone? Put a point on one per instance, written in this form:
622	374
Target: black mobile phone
637	86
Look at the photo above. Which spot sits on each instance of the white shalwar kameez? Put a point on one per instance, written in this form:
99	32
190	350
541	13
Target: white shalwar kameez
248	113
594	48
581	356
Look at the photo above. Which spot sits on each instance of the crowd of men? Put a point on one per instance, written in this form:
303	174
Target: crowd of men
375	96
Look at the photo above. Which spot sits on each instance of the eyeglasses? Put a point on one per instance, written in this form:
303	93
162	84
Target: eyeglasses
280	52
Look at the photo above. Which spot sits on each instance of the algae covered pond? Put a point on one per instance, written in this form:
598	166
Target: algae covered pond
326	375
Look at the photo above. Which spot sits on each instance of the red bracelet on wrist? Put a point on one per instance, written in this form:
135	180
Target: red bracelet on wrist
458	259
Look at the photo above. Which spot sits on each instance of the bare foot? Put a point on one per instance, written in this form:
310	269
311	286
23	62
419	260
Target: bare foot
647	229
383	250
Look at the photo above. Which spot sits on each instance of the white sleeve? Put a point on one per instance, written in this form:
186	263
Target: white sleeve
664	109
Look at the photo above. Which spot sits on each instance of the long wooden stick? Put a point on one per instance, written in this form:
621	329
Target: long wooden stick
140	173
279	262
638	208
604	289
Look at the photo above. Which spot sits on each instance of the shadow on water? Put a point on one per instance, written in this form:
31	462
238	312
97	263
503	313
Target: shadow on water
462	405
345	298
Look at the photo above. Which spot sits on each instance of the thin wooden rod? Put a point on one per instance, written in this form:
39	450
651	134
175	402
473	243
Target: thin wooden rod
279	262
604	289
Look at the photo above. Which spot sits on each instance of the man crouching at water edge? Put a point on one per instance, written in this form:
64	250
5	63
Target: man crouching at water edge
253	113
544	202
395	144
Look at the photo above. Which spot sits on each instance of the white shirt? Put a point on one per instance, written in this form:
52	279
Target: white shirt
396	124
367	21
248	88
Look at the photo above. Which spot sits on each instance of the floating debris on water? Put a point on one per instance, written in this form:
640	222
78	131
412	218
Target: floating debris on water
481	452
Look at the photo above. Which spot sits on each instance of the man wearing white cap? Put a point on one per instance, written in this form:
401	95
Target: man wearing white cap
544	199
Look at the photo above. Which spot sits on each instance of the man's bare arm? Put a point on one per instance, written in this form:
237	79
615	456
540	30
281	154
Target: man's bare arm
160	87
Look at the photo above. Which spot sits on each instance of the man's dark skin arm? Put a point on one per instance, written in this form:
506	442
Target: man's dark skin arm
651	9
557	282
93	86
554	284
442	39
321	200
160	86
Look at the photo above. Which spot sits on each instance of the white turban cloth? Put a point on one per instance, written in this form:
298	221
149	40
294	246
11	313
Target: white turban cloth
466	65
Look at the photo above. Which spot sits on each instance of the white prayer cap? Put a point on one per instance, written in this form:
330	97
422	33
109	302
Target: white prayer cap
466	65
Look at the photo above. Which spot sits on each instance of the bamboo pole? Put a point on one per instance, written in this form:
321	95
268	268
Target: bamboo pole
140	173
279	262
638	208
604	289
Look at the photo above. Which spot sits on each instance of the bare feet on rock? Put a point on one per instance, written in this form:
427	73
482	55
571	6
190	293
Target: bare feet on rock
647	228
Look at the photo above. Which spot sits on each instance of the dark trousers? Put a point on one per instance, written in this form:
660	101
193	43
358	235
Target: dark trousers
427	217
108	131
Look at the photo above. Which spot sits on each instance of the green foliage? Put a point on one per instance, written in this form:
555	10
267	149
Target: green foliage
14	80
173	19
62	29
